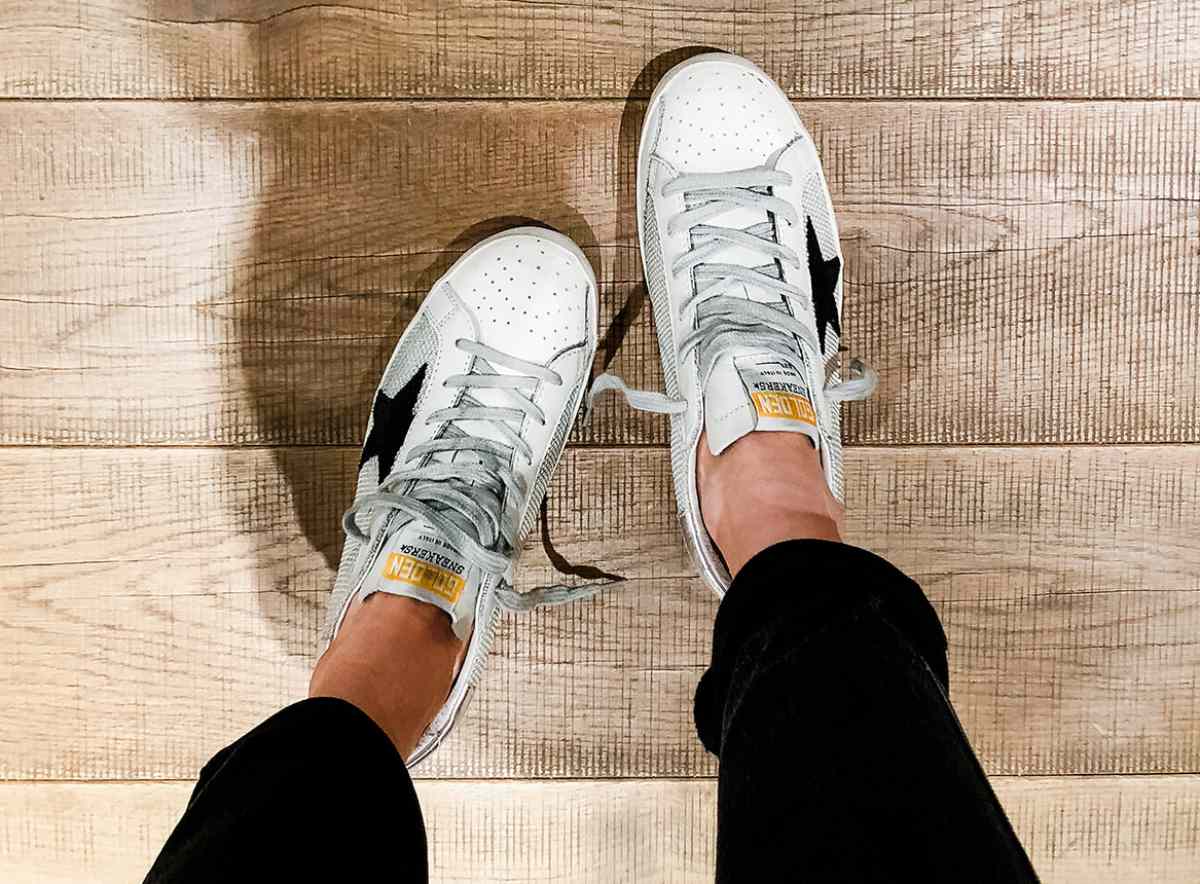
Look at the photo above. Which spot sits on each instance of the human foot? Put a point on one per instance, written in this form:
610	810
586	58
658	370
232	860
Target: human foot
466	428
743	266
764	489
395	659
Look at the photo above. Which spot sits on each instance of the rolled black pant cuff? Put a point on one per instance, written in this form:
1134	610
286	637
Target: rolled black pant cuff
791	592
311	794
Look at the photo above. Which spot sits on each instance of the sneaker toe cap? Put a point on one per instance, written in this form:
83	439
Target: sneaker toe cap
718	114
530	294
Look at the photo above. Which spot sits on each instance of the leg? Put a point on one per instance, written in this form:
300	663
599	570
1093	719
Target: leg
840	755
394	658
841	758
455	452
317	792
320	790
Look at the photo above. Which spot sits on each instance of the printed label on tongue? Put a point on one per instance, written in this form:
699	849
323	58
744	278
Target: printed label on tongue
415	557
757	391
779	393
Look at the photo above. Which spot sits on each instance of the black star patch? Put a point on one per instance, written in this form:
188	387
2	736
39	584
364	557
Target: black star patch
824	276
390	420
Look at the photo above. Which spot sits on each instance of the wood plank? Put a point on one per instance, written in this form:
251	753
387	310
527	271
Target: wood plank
588	48
1089	830
156	602
238	273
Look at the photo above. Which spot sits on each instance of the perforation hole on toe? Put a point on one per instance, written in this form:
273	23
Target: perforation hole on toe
533	308
721	116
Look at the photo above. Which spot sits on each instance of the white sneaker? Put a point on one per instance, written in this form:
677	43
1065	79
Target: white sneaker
466	429
741	255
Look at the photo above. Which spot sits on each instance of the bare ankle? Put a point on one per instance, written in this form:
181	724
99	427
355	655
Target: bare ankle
394	658
764	489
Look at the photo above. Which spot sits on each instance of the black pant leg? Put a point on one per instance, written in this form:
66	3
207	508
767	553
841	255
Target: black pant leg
317	792
841	758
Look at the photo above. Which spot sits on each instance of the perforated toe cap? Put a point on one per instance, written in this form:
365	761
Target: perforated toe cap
528	294
721	114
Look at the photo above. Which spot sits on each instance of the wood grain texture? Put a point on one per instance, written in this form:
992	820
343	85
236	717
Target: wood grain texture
592	48
235	273
1078	830
156	602
238	273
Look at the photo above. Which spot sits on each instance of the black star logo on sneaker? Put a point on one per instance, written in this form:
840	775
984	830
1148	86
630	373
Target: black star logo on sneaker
390	420
824	275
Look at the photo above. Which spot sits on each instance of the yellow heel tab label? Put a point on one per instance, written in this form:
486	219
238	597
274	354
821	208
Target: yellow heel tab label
439	581
782	405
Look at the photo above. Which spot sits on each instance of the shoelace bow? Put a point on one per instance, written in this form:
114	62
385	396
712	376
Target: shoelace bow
474	505
724	320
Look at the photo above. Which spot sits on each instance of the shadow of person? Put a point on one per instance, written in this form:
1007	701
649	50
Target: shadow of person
345	248
361	210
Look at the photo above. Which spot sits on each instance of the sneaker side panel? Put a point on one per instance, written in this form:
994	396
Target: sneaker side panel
685	429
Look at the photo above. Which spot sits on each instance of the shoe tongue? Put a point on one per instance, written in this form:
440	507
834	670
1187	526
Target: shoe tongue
417	563
750	390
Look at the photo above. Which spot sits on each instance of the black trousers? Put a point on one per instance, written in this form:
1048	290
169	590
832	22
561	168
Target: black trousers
841	758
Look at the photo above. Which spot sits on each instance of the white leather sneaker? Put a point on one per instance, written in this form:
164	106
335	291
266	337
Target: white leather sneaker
466	429
741	256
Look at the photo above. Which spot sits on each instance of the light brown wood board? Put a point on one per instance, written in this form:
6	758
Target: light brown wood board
1078	830
238	273
592	48
157	602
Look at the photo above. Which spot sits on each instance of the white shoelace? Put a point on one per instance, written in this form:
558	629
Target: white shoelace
723	320
474	506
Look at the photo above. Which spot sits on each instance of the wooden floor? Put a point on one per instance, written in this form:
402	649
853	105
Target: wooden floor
216	217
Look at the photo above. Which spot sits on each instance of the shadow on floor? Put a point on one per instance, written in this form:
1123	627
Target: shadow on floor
357	220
